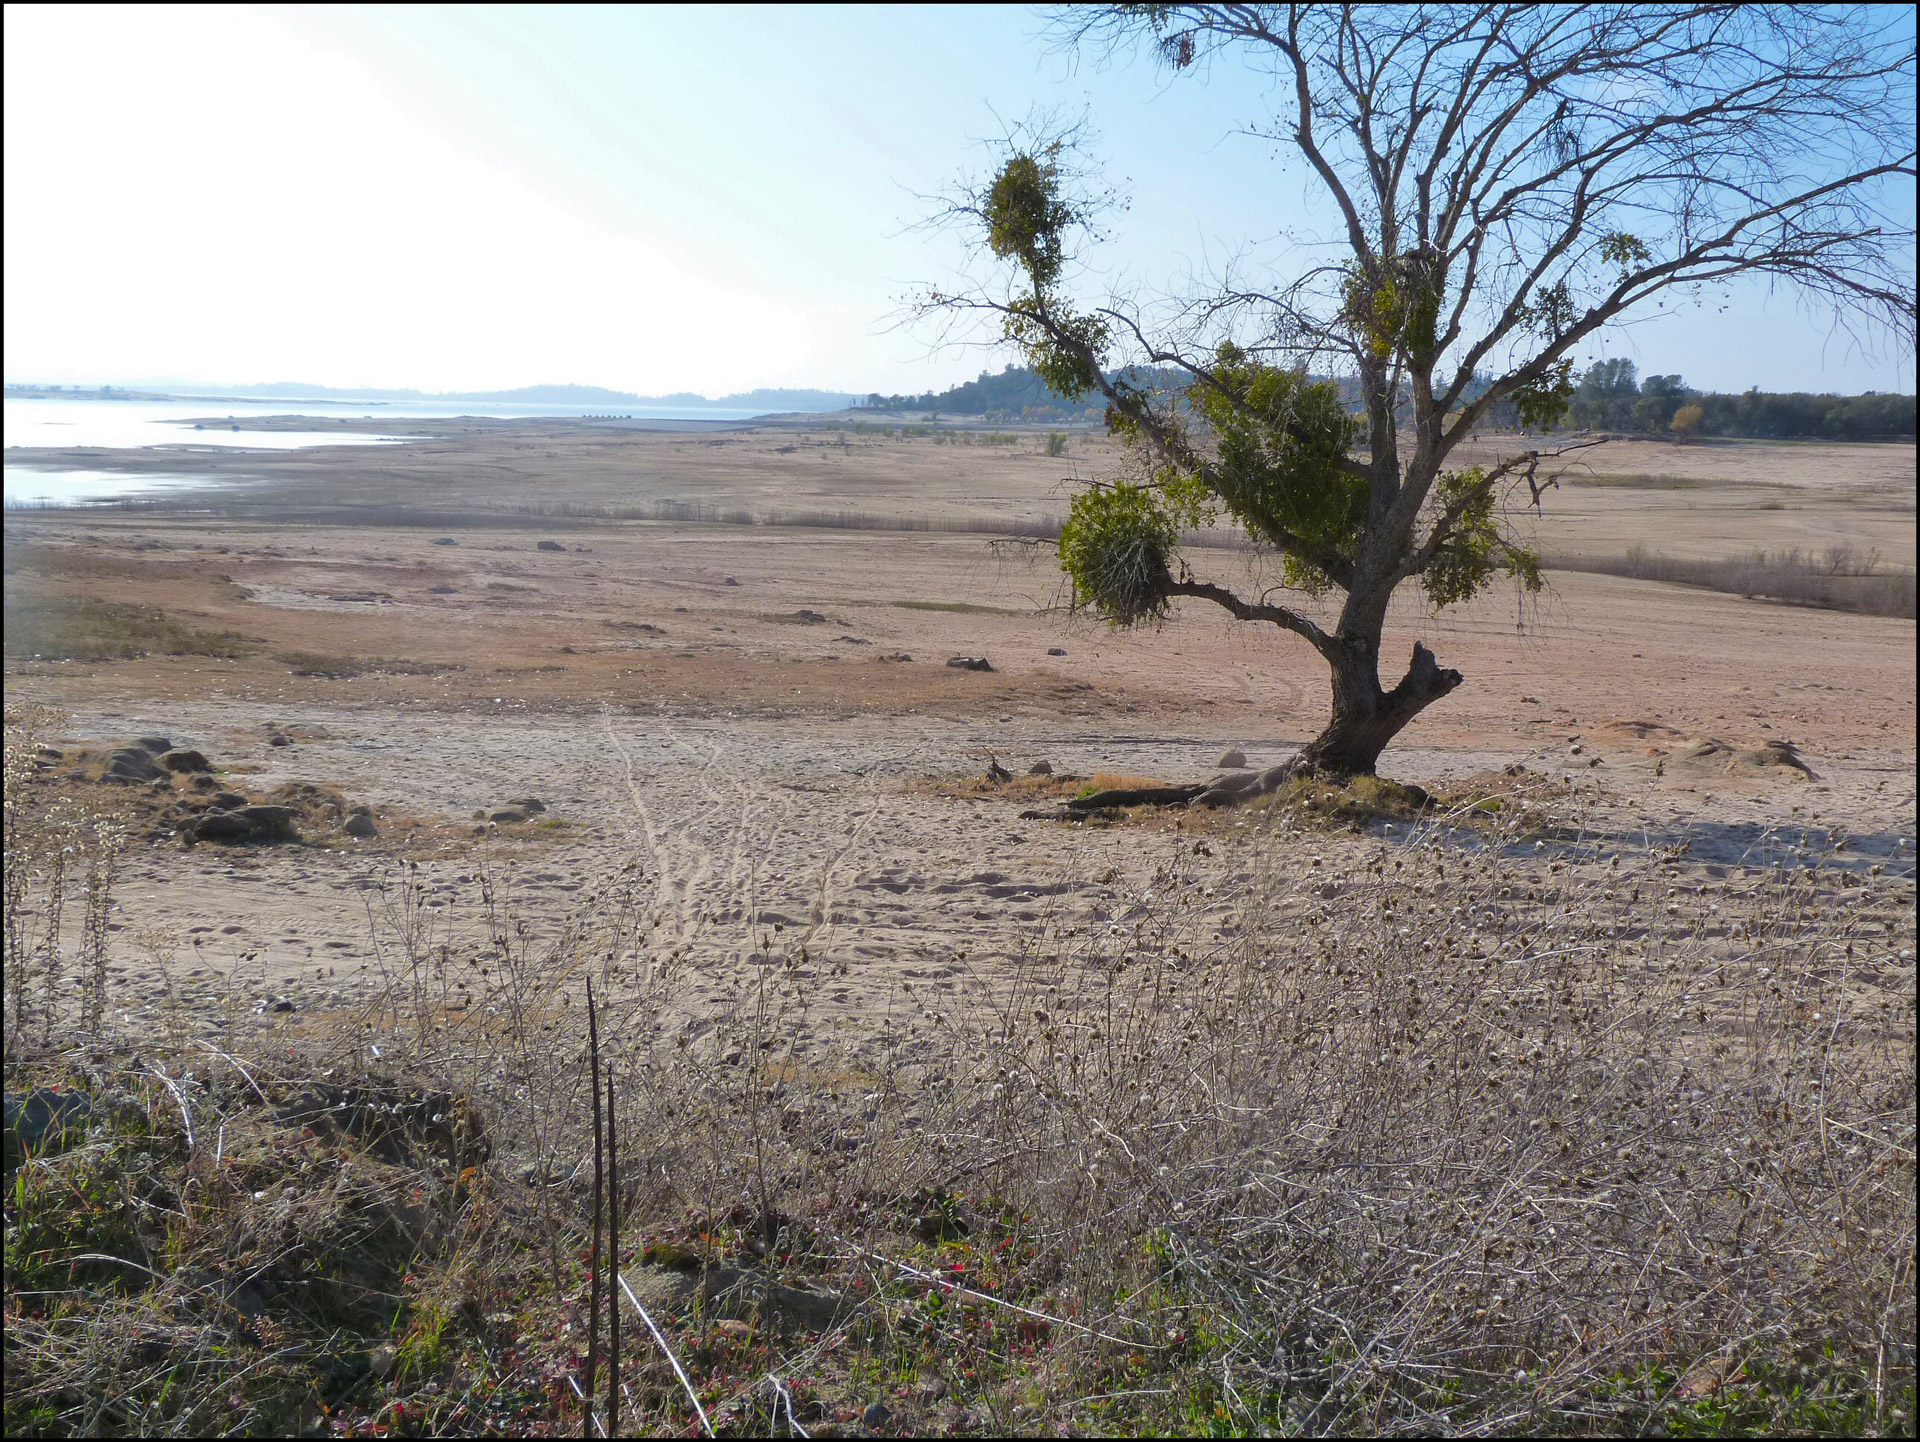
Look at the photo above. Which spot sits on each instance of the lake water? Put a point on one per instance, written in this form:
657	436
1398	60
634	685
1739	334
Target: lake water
30	487
118	425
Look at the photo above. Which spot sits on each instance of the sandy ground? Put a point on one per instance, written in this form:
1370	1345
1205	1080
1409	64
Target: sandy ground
728	704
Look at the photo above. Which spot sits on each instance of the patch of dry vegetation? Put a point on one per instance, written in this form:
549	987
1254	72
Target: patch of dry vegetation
1840	579
1422	1141
86	628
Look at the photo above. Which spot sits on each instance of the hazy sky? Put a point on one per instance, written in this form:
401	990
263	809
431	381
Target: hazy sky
646	198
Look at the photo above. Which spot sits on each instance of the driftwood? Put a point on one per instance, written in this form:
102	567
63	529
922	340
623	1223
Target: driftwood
1228	790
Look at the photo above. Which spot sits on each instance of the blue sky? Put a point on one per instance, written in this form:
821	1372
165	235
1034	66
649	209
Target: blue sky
649	198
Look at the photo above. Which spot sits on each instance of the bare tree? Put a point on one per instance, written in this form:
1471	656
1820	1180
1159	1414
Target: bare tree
1506	180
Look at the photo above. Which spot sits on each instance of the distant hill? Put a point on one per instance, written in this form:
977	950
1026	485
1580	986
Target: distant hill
1016	393
765	400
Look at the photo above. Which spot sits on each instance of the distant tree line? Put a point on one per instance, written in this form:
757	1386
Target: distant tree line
1610	397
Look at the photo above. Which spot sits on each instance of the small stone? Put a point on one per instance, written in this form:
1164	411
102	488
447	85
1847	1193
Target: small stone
548	546
227	801
1056	650
281	1003
877	1415
969	663
446	541
156	744
380	1361
279	738
532	805
359	824
184	760
1040	768
506	815
730	581
441	590
1232	759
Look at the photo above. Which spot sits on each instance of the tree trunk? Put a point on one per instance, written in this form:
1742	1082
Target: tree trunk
1366	718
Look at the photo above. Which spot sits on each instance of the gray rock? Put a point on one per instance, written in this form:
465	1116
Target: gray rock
156	744
969	663
182	759
1232	759
812	618
1056	650
548	546
360	824
441	590
279	738
269	823
876	1416
506	815
227	801
223	826
204	782
532	805
730	581
134	763
41	1120
1040	768
446	541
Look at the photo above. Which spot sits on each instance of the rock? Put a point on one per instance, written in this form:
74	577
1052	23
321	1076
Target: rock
1056	650
359	824
812	618
279	738
730	581
182	759
222	826
133	764
227	800
506	815
532	805
896	656
204	782
1040	768
49	753
548	546
969	663
156	744
269	823
41	1120
1232	759
441	590
876	1416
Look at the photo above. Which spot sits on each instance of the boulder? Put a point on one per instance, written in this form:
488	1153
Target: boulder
133	764
228	827
1232	759
969	663
183	759
269	823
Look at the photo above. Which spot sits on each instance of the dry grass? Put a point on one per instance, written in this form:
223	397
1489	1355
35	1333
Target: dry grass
85	628
1431	1138
1839	579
